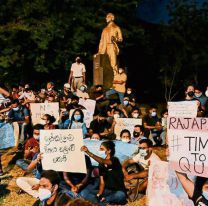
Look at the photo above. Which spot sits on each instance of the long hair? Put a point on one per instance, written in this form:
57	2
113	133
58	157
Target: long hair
109	145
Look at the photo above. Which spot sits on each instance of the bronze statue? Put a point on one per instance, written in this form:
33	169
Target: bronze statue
111	35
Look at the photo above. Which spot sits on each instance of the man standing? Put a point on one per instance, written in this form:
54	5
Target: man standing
77	74
111	35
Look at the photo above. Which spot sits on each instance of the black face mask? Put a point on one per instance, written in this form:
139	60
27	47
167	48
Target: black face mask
190	94
136	134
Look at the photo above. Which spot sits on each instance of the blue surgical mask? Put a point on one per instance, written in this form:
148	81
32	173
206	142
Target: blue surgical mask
101	153
153	114
15	109
205	194
82	88
125	102
143	152
77	117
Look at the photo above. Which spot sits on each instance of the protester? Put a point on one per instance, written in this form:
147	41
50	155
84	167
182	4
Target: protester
138	134
47	121
111	188
125	136
65	96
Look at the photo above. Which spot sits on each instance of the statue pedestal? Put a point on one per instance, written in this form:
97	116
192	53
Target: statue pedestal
102	71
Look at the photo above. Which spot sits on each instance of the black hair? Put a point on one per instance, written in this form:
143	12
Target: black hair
164	111
200	181
38	127
81	113
109	145
50	118
62	200
15	101
125	131
52	176
147	141
74	97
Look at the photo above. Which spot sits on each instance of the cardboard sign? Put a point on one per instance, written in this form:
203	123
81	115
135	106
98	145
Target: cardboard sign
89	104
88	116
188	145
39	109
164	187
182	109
61	150
126	123
7	139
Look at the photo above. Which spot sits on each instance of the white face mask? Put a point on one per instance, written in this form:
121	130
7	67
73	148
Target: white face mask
153	114
37	137
135	115
43	121
116	116
128	91
125	140
44	194
120	71
206	93
198	95
143	152
50	89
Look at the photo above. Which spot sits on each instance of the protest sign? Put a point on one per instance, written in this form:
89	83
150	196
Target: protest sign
123	150
182	109
126	123
7	139
89	104
88	116
188	145
39	109
164	187
61	150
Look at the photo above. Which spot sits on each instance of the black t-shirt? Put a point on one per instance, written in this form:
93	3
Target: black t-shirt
113	175
99	127
67	96
151	121
198	199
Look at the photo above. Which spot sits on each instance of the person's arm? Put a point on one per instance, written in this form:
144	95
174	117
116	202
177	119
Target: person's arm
4	92
146	126
84	77
101	187
85	180
68	181
137	175
95	157
70	77
5	110
187	184
125	164
34	162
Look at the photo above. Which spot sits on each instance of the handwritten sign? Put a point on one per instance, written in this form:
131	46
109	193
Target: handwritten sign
7	139
89	104
61	150
39	109
88	116
123	150
188	145
164	186
182	109
126	123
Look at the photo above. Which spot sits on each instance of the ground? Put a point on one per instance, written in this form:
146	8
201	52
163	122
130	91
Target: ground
8	187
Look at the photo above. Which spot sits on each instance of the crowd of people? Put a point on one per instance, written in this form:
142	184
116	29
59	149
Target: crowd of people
109	183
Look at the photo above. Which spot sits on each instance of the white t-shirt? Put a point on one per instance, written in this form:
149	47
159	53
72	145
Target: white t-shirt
145	162
78	69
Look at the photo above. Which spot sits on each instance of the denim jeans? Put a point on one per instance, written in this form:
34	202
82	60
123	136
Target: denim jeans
23	164
113	91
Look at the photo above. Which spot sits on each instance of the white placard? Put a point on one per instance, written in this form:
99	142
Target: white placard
61	150
182	109
39	109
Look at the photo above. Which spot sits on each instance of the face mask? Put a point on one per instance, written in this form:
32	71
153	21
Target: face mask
206	93
116	116
15	109
198	95
153	114
37	137
125	140
82	89
120	71
101	153
77	117
165	115
129	92
44	194
50	89
190	94
205	194
125	102
143	152
135	115
136	134
43	121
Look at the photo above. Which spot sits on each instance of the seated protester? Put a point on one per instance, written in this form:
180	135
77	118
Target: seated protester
111	187
74	104
95	136
76	122
198	95
200	111
198	191
138	134
27	96
144	158
135	113
47	121
41	97
31	148
76	182
129	93
153	126
125	136
65	96
15	92
50	99
48	188
164	115
82	92
50	91
189	93
111	108
101	126
126	108
21	115
30	185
